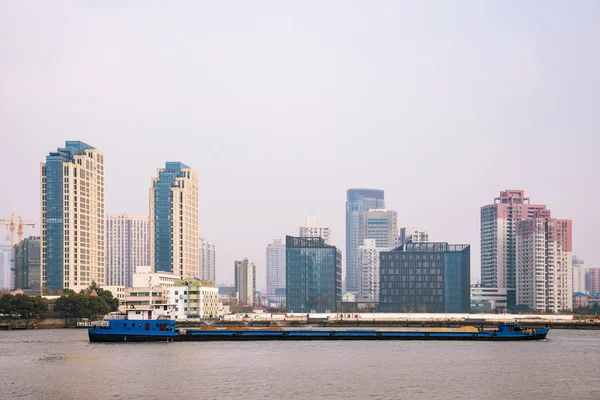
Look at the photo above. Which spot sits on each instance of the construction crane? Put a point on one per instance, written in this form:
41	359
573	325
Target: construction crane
10	224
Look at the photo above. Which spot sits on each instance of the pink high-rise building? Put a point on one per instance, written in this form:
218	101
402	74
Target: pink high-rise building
544	263
499	238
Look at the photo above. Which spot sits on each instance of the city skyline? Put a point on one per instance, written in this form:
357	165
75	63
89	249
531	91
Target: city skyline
448	104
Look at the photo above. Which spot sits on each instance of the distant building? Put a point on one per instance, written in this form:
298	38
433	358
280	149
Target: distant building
426	277
380	225
488	299
144	278
6	276
194	299
580	300
276	268
313	275
149	287
410	235
208	261
544	263
72	216
358	201
118	292
174	220
499	239
26	264
592	280
312	229
368	255
578	275
127	247
245	282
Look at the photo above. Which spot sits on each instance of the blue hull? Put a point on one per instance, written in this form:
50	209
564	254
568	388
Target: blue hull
139	335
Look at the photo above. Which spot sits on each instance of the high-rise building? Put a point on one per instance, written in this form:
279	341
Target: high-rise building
358	201
544	263
578	275
245	282
426	277
368	255
276	268
72	216
127	247
313	275
6	278
592	280
26	265
410	235
174	220
312	229
499	239
380	225
208	261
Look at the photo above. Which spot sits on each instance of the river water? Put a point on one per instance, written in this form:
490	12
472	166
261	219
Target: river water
62	364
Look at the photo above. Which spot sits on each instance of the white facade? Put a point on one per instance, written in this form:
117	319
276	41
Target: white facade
118	292
207	271
312	229
6	281
381	225
410	235
181	205
578	275
275	267
127	246
195	301
145	278
544	264
488	299
81	253
368	261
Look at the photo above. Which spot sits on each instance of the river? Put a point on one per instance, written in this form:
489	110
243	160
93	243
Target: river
62	364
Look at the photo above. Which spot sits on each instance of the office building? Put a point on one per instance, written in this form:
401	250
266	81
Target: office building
368	255
127	247
194	298
592	280
358	201
578	275
313	275
311	228
174	220
488	299
276	269
499	239
245	282
544	263
72	217
26	265
208	261
6	276
410	235
380	225
425	277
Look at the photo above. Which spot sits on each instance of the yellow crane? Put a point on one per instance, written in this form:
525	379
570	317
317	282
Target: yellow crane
11	224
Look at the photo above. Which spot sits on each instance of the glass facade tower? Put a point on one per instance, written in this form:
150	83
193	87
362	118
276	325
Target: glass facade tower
174	241
358	201
313	275
72	216
425	277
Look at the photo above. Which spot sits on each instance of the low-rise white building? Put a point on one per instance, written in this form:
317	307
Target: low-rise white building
194	299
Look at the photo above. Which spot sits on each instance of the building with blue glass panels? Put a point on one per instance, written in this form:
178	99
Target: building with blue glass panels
27	265
72	218
174	242
358	201
425	277
313	275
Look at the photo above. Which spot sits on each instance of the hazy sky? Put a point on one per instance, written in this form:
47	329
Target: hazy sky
282	107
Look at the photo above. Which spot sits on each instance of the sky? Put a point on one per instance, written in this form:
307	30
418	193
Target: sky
281	107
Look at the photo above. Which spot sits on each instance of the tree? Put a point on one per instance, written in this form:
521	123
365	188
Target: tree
22	306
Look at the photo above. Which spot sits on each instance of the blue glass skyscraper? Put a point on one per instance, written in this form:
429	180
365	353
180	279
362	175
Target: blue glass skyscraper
358	200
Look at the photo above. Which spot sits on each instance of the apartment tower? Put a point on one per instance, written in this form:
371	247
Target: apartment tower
72	218
127	247
174	220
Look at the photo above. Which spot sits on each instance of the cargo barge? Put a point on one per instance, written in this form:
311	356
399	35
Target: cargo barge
138	326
